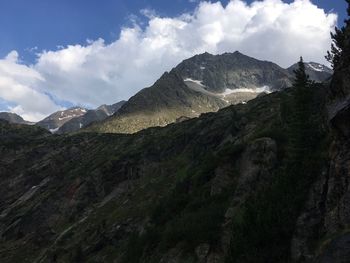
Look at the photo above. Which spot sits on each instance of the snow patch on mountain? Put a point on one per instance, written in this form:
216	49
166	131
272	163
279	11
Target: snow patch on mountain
199	82
67	117
54	130
264	89
316	67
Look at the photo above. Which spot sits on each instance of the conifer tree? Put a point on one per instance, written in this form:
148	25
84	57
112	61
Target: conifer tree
338	56
299	128
301	79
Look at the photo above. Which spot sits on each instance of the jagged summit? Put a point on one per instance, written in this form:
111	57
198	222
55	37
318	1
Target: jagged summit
233	71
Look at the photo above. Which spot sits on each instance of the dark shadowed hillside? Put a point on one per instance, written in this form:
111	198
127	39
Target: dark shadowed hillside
162	194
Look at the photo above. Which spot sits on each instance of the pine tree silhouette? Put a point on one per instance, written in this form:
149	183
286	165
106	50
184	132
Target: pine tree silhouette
340	49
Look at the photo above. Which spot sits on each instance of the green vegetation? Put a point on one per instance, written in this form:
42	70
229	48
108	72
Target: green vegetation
188	215
263	227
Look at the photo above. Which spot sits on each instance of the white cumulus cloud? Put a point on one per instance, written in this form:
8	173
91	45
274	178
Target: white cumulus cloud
99	72
16	86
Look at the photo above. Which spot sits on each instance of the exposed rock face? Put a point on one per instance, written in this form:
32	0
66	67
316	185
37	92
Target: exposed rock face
309	224
326	216
163	103
233	71
337	196
256	166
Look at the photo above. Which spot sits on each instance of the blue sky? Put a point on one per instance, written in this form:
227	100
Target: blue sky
58	53
45	24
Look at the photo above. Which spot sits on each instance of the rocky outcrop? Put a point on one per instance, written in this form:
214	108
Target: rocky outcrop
256	166
233	71
326	215
322	230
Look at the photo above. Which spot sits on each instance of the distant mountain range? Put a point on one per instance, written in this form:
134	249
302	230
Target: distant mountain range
75	118
89	117
57	119
203	83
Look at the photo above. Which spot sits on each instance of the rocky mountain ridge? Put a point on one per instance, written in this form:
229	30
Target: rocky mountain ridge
53	122
13	118
211	82
203	83
90	116
76	118
233	71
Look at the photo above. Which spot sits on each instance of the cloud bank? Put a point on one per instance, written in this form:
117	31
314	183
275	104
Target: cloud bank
99	72
18	86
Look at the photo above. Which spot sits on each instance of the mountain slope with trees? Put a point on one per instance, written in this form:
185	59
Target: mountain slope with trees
170	194
266	181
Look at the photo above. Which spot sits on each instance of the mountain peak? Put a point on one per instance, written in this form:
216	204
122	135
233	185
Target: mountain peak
57	119
202	83
96	115
233	71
